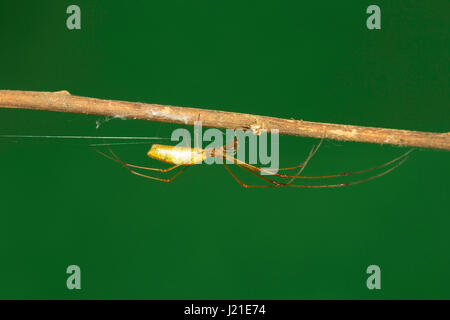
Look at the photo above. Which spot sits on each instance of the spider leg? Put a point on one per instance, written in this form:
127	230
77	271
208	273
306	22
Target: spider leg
351	183
285	169
127	166
154	178
311	154
268	170
279	184
243	184
116	159
301	165
298	176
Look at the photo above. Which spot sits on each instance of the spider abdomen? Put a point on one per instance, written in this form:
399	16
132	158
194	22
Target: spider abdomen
177	155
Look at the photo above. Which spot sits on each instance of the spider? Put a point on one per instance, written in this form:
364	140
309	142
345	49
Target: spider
186	156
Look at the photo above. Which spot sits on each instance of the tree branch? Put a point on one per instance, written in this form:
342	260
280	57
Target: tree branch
63	101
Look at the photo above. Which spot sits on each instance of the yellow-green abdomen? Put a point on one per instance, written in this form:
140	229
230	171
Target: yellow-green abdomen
176	155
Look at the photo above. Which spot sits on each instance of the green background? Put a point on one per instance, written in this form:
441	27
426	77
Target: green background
203	236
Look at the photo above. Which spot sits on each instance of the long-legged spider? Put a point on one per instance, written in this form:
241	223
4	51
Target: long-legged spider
187	156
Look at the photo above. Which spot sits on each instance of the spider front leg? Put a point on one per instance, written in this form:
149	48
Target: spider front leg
289	184
249	185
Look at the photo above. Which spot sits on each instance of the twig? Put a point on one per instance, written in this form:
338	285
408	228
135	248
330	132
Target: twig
63	101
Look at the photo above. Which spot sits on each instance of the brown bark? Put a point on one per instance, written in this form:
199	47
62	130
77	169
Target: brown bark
63	101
